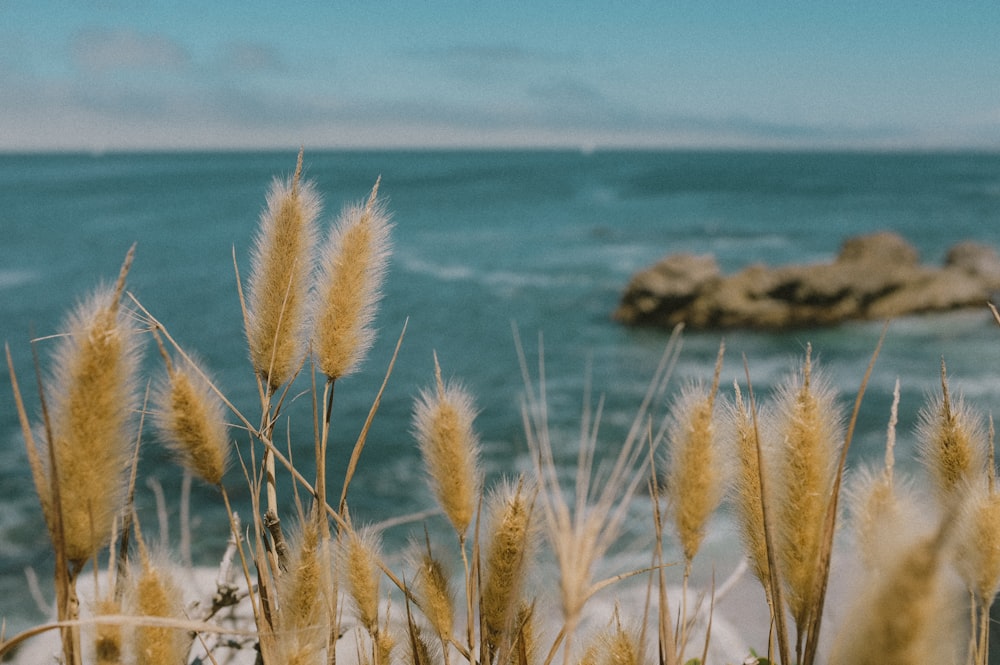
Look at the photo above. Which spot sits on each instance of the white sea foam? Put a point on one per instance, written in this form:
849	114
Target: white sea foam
10	279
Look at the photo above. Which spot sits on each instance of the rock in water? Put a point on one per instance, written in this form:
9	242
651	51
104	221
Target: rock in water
876	276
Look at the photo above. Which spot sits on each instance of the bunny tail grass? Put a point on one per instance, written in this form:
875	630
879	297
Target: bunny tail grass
809	436
881	504
92	401
442	424
976	555
615	645
108	637
359	563
190	419
952	444
305	595
154	594
352	267
747	488
432	589
694	480
510	534
906	615
280	278
977	542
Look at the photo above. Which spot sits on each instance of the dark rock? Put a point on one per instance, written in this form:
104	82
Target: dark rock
877	276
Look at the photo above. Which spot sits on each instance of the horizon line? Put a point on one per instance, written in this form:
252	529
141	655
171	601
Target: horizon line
582	149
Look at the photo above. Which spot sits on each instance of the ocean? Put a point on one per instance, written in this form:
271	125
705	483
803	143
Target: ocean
485	243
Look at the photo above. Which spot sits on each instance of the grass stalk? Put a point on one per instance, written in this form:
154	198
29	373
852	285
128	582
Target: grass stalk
830	522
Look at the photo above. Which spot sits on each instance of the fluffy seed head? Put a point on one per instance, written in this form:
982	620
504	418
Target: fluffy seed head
108	640
434	593
905	616
809	438
886	514
880	505
694	480
615	645
420	651
154	594
747	497
442	424
92	400
190	418
977	542
280	278
360	554
511	539
953	444
384	645
524	636
304	590
352	268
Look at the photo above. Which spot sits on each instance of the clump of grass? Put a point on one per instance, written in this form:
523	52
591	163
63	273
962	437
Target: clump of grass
880	504
87	425
789	456
977	559
581	534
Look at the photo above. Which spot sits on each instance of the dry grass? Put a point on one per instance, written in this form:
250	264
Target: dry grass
327	594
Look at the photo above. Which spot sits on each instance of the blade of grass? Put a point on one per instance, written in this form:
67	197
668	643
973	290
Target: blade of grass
772	564
363	436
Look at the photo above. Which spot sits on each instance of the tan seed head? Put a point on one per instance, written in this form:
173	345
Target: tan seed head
280	279
352	267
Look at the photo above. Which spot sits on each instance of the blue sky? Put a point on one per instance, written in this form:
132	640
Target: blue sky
112	74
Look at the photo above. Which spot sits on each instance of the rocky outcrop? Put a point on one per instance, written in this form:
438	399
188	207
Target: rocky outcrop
877	276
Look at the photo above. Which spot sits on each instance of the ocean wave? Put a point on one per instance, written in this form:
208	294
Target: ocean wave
505	280
12	278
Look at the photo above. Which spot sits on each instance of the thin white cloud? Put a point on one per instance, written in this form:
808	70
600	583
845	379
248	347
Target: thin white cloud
485	54
233	98
100	51
246	56
566	90
481	63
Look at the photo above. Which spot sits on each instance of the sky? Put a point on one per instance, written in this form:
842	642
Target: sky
98	75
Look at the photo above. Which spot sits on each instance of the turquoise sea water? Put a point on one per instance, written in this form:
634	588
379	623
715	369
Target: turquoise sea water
484	242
